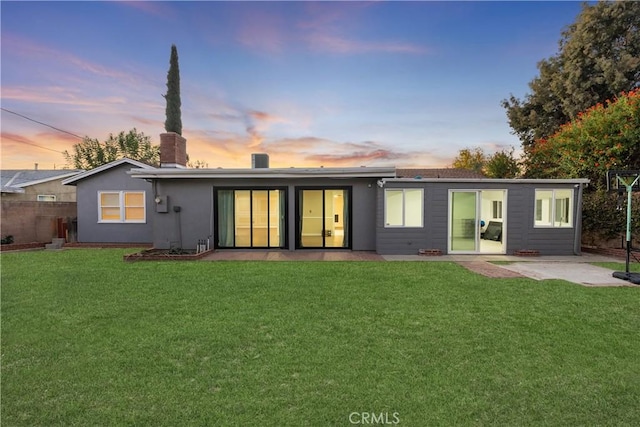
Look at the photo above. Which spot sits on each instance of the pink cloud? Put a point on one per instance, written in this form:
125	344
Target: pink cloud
154	8
336	44
324	31
56	95
262	31
22	151
27	48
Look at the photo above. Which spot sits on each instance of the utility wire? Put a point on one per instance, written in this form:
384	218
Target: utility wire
40	123
35	145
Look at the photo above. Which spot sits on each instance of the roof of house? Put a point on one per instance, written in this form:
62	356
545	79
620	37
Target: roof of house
86	174
357	172
15	180
438	173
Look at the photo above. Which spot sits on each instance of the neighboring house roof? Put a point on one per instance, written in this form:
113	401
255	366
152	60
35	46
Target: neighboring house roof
359	172
133	163
438	173
15	180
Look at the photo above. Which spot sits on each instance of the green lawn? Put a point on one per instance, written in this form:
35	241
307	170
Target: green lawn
634	266
89	340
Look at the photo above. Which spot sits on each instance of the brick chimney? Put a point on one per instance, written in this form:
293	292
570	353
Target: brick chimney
173	150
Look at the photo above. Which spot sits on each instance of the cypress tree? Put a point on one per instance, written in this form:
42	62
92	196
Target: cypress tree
173	122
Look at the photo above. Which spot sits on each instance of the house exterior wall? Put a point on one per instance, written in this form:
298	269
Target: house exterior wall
520	232
196	219
90	230
63	193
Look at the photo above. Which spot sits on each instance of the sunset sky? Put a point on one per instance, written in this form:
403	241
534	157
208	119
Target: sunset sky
310	83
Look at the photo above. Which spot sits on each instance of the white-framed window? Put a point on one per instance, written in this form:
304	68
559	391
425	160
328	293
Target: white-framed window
121	206
554	208
496	209
403	207
46	198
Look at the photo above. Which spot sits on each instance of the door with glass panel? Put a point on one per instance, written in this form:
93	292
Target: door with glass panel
253	218
323	218
477	221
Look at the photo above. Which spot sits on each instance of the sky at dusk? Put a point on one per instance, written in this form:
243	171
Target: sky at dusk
340	84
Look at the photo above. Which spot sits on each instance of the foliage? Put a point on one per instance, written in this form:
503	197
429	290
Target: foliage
604	216
502	164
598	58
470	158
91	153
307	343
7	240
173	122
604	137
197	164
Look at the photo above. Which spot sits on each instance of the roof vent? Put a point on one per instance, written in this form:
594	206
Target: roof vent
259	161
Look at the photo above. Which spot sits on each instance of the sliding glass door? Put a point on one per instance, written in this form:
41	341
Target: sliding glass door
253	218
463	226
323	218
477	221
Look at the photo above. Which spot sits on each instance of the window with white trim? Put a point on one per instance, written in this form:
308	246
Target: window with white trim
554	208
46	198
403	207
121	206
496	209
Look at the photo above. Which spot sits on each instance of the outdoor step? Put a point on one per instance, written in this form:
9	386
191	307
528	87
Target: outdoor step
55	244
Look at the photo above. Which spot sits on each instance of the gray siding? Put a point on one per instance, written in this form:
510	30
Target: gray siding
115	179
520	232
196	219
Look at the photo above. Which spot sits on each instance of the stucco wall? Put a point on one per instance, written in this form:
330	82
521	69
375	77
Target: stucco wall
63	193
90	230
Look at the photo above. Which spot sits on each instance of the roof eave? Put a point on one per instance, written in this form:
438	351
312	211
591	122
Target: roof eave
12	190
86	174
495	180
160	173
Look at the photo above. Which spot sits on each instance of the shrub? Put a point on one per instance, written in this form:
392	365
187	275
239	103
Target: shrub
603	220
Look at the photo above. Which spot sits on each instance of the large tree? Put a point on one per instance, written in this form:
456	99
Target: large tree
91	153
598	58
470	158
605	136
501	164
173	122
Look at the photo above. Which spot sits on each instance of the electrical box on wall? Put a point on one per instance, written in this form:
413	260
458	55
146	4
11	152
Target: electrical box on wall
162	204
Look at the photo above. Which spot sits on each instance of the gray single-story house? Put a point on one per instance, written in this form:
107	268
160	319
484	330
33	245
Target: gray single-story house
363	208
112	207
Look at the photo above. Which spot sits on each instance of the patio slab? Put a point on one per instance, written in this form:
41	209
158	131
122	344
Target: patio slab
581	273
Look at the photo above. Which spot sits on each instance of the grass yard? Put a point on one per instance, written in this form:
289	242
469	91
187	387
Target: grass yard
634	266
90	340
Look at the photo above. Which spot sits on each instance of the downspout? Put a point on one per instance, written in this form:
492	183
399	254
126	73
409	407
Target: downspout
210	242
577	235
